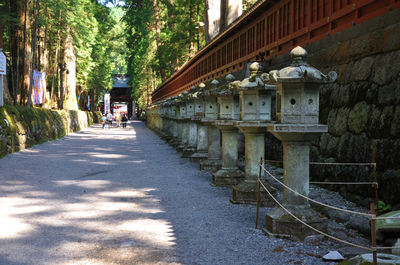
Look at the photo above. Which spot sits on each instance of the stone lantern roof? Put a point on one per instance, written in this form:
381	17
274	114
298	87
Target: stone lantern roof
230	88
254	81
300	71
185	96
211	92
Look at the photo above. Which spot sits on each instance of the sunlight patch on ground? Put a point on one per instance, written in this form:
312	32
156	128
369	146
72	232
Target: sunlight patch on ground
88	184
114	156
11	226
126	193
157	230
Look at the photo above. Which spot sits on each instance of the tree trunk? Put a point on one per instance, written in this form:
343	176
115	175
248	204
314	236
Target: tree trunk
13	43
212	14
233	9
191	33
45	59
158	39
6	93
26	56
55	65
70	84
34	45
170	8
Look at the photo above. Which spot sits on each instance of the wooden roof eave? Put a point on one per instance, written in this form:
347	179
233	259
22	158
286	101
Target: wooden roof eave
227	33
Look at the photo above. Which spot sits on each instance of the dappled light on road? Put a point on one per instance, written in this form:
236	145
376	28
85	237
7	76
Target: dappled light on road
10	225
75	201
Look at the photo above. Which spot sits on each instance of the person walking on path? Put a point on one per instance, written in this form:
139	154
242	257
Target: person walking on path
103	121
118	119
109	119
124	120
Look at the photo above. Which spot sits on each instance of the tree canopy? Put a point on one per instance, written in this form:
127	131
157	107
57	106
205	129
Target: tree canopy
80	44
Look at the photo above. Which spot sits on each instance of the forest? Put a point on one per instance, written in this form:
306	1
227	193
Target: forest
60	53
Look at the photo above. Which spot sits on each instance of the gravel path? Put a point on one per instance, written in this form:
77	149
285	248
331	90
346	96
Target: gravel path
123	196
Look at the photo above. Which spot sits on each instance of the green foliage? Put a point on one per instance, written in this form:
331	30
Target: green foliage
179	31
383	207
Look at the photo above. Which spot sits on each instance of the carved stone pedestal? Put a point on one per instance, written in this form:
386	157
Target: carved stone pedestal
213	163
246	192
229	175
281	224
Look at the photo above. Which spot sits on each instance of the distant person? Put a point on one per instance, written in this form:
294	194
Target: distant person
124	120
103	120
118	119
109	119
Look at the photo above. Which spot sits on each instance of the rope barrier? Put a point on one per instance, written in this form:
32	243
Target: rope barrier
343	164
312	228
336	164
345	183
386	248
372	215
320	203
384	218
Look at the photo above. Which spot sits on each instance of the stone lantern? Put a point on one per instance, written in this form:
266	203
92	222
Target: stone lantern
228	111
166	132
228	100
213	162
173	122
202	129
198	102
255	97
184	121
192	130
297	107
160	115
178	120
255	115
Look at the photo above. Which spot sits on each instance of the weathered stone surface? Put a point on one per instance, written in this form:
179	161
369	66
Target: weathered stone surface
397	92
386	95
366	259
363	68
24	127
390	182
385	123
340	126
386	68
374	121
333	256
361	224
395	130
358	117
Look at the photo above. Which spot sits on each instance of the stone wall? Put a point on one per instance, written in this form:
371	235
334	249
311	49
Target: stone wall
362	109
22	128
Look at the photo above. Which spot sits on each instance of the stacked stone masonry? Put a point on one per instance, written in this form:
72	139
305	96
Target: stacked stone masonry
361	109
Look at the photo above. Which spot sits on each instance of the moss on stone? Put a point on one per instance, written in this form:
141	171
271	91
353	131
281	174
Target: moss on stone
22	127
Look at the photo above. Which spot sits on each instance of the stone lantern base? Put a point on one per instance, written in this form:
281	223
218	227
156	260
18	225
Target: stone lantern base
211	165
198	157
214	162
227	177
188	151
282	225
246	193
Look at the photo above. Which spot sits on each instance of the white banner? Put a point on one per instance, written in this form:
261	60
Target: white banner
3	63
107	103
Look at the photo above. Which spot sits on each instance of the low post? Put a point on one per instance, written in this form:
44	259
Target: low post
3	70
373	234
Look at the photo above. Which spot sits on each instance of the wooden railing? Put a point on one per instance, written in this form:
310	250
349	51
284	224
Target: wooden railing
271	28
